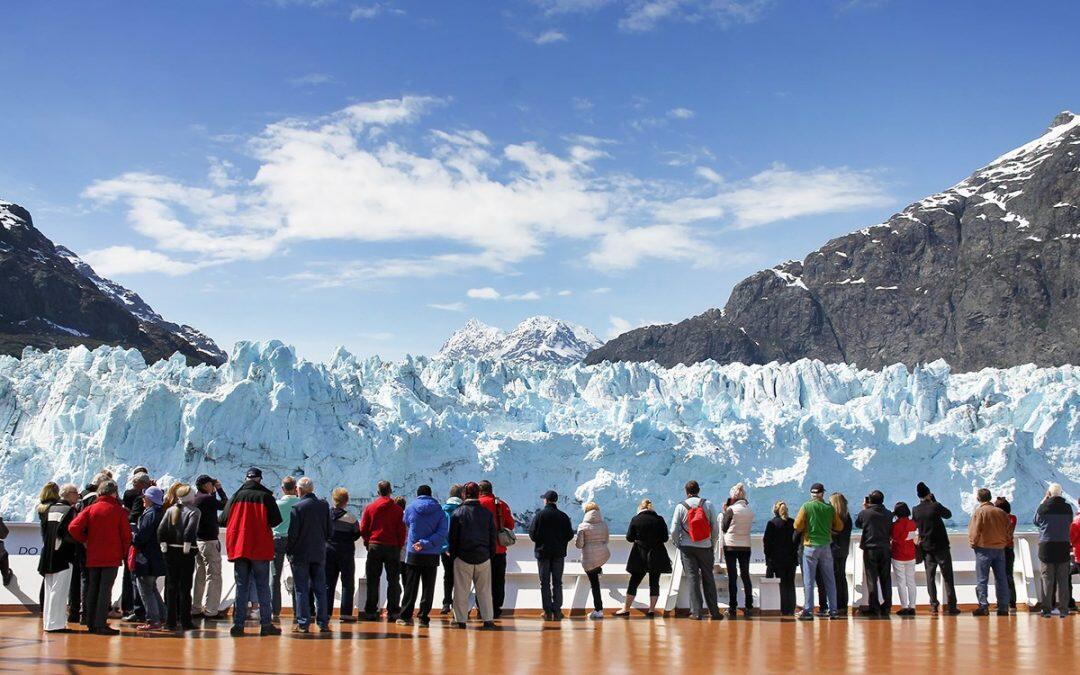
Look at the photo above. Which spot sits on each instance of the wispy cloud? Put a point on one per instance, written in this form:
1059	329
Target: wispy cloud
368	12
310	80
489	293
448	306
680	113
639	16
550	36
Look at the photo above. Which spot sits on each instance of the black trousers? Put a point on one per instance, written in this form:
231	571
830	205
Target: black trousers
75	592
98	597
340	563
878	563
447	580
839	571
654	584
419	576
84	584
498	583
787	590
388	558
1010	561
594	586
179	573
935	560
741	559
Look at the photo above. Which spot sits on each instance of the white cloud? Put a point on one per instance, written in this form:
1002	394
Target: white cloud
681	113
365	174
368	12
618	325
486	293
120	260
448	306
601	290
527	296
565	293
779	193
645	15
311	79
550	36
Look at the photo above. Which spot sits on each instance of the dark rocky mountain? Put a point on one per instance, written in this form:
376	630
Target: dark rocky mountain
51	298
984	274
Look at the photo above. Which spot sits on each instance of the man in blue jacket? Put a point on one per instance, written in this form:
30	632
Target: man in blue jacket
309	530
427	532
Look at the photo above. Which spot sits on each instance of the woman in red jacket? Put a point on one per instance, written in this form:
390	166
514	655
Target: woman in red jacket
902	546
104	530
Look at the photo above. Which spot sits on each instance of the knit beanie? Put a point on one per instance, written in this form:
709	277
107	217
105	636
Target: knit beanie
922	490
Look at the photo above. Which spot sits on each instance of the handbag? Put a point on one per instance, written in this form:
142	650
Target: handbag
505	536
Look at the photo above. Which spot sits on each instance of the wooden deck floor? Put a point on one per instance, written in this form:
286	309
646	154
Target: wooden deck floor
769	644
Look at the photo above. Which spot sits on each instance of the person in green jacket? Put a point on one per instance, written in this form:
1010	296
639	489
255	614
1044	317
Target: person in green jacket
816	522
285	504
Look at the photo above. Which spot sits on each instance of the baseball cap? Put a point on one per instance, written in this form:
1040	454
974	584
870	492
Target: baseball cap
254	472
550	496
817	487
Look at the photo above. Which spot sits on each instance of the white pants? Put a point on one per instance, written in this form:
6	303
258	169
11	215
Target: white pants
54	611
904	576
466	578
207	578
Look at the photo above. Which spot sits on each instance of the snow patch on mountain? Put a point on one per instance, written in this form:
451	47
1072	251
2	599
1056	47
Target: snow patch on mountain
613	433
538	339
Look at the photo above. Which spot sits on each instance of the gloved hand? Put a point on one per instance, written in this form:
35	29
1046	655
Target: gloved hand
164	547
187	547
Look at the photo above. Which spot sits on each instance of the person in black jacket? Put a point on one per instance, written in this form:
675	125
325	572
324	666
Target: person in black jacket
648	556
309	530
840	547
57	553
341	555
781	550
472	543
551	531
130	599
930	517
149	562
210	498
875	521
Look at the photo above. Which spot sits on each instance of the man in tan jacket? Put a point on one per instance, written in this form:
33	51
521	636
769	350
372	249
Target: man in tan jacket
988	534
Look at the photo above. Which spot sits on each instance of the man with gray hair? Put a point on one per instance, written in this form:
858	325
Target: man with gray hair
309	530
104	530
1053	518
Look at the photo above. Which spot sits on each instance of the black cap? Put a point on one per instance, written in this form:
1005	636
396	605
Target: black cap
203	480
817	487
550	496
254	472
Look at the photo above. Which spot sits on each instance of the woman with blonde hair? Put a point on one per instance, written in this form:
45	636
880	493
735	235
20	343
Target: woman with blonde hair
782	555
840	547
736	522
648	556
57	553
592	538
178	534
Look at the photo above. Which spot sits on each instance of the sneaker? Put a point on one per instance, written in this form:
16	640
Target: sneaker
148	627
445	610
404	622
953	611
695	617
488	625
822	613
1045	614
981	611
596	615
269	629
132	618
834	616
299	629
236	631
933	609
806	616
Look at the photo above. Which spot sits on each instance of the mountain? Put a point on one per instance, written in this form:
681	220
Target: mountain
51	298
538	339
984	274
613	433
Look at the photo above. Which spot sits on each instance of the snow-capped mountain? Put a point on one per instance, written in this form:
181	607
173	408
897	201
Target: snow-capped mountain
613	433
52	298
538	339
984	274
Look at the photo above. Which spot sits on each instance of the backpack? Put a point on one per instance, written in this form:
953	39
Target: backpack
505	536
697	523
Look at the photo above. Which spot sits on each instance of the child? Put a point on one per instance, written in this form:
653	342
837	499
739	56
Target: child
903	557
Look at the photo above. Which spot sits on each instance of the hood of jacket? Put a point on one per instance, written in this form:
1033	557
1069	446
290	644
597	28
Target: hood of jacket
592	517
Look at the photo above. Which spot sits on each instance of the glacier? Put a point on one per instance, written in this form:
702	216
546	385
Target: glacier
613	433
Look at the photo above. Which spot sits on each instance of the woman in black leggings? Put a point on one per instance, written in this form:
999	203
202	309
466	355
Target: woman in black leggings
648	532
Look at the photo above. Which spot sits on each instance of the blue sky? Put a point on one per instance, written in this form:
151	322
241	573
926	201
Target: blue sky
373	174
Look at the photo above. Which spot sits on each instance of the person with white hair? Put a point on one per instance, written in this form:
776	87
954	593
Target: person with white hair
57	552
1053	518
309	530
736	523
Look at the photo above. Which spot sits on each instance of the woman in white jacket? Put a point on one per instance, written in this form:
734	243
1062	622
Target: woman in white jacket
735	523
592	539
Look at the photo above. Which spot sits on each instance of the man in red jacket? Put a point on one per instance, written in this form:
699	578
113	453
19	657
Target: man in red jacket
382	526
249	544
104	529
503	519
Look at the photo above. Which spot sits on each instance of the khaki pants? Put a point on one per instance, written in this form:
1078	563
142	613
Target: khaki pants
466	577
208	578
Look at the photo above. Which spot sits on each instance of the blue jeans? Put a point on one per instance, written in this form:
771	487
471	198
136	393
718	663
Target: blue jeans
987	559
551	571
309	577
151	598
813	558
246	572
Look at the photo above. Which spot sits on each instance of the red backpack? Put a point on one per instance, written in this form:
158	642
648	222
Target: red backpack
697	523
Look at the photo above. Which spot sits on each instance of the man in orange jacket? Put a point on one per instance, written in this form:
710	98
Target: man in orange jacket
103	528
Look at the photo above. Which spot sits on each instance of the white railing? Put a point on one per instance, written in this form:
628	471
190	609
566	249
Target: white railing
522	585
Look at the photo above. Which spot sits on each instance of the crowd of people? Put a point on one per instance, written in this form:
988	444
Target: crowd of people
150	533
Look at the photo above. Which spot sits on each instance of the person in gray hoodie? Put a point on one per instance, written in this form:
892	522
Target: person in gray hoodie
1053	518
179	537
697	549
448	508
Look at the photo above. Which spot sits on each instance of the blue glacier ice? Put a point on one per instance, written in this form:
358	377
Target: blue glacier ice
612	433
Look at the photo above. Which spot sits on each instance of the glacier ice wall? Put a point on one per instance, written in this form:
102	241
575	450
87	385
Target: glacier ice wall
613	433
